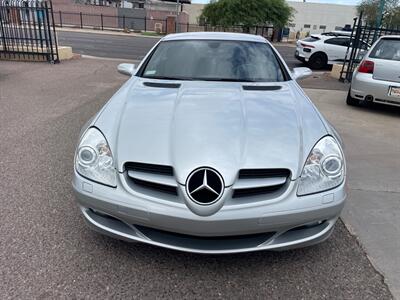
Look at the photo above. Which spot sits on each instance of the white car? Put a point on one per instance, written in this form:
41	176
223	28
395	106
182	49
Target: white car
320	50
377	79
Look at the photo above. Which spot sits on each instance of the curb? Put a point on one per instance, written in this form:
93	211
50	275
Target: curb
110	58
104	32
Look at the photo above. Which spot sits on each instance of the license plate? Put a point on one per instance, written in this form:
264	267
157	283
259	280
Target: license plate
394	92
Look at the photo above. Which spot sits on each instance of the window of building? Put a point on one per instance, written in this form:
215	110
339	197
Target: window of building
292	25
307	26
315	27
323	27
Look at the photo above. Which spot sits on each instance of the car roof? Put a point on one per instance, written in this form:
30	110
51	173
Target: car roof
329	36
320	36
340	32
215	36
390	37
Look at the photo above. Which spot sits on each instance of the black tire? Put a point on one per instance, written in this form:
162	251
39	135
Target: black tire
351	101
318	61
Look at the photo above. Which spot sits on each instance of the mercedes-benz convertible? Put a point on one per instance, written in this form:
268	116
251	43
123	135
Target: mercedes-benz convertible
211	146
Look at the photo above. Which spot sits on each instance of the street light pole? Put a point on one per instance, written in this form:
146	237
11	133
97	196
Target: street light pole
379	15
177	15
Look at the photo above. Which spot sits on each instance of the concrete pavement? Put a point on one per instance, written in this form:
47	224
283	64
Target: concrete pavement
46	251
372	139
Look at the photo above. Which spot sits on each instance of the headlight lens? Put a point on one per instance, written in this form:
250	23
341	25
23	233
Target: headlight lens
94	160
324	168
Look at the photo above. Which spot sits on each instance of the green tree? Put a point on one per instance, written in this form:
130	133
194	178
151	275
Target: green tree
391	12
247	13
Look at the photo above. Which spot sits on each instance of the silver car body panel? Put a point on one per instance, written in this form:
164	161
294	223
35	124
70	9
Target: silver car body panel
387	70
218	125
236	126
280	216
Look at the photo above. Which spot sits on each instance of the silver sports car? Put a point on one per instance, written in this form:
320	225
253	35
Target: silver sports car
211	147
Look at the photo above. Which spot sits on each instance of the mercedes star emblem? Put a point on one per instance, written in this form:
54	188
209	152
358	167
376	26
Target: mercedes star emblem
205	186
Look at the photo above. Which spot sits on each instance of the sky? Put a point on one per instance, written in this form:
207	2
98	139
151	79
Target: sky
348	2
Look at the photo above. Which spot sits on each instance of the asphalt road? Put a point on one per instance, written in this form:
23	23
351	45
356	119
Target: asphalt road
131	47
47	252
134	48
106	45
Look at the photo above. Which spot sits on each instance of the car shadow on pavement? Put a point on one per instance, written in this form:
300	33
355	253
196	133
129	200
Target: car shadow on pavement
389	110
336	267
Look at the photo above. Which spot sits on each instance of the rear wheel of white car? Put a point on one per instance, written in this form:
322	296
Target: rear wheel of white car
351	101
318	61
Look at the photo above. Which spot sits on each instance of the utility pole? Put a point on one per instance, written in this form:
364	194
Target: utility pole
379	15
177	15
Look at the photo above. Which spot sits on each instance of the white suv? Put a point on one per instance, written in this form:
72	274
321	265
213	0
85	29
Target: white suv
320	50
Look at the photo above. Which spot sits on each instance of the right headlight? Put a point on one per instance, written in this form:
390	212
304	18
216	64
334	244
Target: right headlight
94	160
324	168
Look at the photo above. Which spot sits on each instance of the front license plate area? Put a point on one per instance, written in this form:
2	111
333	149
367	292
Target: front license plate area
394	91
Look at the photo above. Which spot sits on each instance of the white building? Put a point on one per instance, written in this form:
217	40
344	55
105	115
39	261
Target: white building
308	17
321	17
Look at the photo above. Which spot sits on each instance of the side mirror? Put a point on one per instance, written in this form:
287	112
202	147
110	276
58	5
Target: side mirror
300	73
126	69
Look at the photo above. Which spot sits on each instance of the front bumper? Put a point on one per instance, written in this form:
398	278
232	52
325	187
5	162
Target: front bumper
364	85
283	223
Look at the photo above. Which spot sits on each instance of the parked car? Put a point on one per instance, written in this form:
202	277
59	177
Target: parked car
211	147
320	50
337	33
377	78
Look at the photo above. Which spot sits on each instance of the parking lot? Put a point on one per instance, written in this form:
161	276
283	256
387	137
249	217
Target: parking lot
47	252
128	46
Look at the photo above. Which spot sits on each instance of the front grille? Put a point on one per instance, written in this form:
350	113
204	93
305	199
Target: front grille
263	173
156	186
256	191
205	243
159	178
256	182
150	168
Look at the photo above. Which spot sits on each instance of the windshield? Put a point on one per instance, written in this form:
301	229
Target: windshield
214	60
387	49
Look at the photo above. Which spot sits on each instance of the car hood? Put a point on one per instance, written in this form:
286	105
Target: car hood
215	124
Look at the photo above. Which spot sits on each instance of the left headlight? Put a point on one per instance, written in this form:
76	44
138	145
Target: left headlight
94	160
324	168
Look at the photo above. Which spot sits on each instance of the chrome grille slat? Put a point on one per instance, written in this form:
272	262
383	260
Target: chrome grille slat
150	168
256	182
156	187
152	177
263	173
